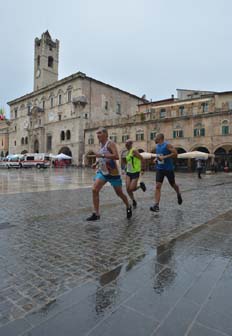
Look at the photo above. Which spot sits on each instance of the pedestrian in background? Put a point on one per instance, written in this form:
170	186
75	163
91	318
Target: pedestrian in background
199	168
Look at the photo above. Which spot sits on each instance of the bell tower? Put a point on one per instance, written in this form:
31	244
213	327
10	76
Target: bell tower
46	61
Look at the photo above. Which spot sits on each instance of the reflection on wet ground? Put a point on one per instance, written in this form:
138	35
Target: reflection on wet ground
34	180
157	274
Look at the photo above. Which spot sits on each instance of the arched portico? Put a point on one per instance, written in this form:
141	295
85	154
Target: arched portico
89	159
180	150
181	164
200	149
227	147
66	151
63	162
223	156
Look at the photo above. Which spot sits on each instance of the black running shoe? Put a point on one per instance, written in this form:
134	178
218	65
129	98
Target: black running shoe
155	208
129	212
134	204
142	186
179	199
93	217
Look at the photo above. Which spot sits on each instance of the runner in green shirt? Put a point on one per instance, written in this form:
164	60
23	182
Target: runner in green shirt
133	162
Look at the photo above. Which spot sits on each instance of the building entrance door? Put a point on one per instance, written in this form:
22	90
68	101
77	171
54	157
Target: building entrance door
36	146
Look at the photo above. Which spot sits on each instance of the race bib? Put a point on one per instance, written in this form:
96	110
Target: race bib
102	166
129	167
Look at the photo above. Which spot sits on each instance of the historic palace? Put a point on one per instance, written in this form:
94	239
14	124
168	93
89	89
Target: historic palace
4	137
53	117
63	115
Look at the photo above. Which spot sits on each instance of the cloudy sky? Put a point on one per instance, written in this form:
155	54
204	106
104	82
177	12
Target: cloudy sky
147	47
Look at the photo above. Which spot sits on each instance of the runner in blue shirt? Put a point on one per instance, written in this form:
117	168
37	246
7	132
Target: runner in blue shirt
164	167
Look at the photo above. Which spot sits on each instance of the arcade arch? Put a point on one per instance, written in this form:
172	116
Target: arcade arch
66	151
223	156
181	164
200	149
89	160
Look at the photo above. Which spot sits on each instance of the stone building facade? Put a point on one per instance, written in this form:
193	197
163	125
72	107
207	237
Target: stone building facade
63	115
195	120
53	117
4	137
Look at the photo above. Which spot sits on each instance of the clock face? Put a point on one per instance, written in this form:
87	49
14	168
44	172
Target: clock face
26	124
38	73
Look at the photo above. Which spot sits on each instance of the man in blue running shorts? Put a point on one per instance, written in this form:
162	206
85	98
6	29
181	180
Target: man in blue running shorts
107	171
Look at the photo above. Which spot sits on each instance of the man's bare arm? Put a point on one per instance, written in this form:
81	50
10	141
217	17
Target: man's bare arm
173	153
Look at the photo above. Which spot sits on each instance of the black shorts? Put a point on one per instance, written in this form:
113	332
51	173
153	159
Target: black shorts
160	175
133	176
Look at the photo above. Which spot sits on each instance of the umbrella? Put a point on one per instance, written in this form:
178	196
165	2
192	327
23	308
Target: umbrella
195	155
63	156
52	156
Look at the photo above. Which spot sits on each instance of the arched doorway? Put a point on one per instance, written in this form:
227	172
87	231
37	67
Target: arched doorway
89	160
221	158
205	163
229	158
36	146
201	149
64	162
65	150
181	164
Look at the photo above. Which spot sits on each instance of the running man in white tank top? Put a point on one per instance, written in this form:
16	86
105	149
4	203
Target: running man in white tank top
107	172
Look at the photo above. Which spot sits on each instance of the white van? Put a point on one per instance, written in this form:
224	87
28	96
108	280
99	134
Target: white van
11	161
38	160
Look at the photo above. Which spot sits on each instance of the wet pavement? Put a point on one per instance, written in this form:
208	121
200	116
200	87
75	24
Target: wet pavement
156	274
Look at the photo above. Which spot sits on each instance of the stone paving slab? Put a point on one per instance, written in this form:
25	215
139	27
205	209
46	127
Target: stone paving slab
137	268
169	297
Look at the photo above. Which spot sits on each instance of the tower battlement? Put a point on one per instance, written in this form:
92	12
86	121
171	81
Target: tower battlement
46	61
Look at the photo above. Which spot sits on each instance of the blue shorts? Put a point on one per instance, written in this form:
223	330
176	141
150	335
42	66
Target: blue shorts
115	181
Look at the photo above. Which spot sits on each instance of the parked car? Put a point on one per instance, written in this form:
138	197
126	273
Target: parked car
3	162
11	162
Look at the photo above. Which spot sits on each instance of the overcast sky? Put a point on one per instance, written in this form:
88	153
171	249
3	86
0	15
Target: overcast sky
147	47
